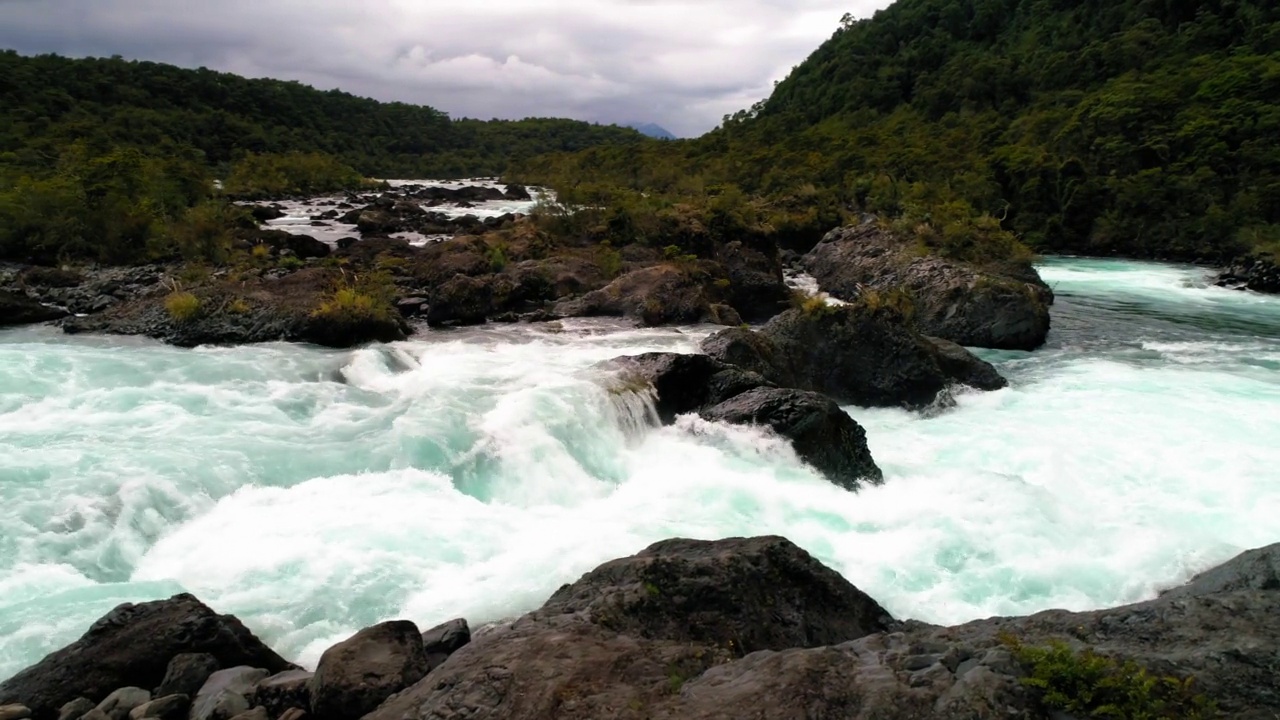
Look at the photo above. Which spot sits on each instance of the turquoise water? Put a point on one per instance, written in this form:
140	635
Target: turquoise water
470	473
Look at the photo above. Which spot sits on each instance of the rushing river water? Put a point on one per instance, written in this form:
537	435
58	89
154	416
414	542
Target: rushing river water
470	473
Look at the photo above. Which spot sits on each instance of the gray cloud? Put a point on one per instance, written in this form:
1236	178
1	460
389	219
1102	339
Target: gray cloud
681	64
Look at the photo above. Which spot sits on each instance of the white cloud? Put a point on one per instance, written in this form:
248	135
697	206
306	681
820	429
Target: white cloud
680	64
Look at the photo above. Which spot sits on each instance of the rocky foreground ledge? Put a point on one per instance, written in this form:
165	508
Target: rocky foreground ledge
732	629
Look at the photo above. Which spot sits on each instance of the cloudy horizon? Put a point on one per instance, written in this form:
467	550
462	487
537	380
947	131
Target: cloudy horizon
680	65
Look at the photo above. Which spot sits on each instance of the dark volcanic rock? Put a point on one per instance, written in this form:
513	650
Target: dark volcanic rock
461	300
225	694
517	192
1253	570
756	287
359	673
74	709
1252	273
169	707
263	213
657	295
19	310
120	703
822	434
686	383
621	641
746	349
289	689
132	646
444	640
966	368
187	673
303	246
863	356
1006	308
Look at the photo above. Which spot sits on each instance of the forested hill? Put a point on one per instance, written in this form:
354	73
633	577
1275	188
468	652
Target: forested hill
1147	128
48	102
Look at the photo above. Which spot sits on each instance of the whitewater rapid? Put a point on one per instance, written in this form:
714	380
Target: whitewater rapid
470	473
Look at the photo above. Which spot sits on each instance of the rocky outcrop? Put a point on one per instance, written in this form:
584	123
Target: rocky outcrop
17	309
187	673
272	309
358	674
622	640
821	433
444	640
132	647
86	290
756	288
1257	273
685	383
856	354
462	300
657	295
1005	308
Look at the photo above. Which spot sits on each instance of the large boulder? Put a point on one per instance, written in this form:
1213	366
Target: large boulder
444	640
821	433
358	674
684	383
187	673
656	295
461	300
169	707
756	288
622	641
17	309
858	354
131	647
1005	307
120	703
302	246
226	693
278	693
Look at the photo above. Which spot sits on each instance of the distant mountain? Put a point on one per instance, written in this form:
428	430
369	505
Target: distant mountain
653	130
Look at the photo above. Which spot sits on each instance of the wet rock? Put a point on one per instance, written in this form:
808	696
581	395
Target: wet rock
685	383
1253	570
444	640
462	300
657	295
169	707
14	712
517	192
16	309
254	714
293	714
75	709
303	247
131	647
278	693
186	673
725	315
264	213
120	703
966	368
1254	272
225	694
863	355
756	286
821	433
1004	307
358	674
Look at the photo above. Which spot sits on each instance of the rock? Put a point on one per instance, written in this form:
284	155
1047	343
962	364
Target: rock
187	673
722	314
1253	570
120	703
293	714
861	355
412	306
50	277
302	246
444	640
756	286
621	641
462	300
656	295
225	694
355	676
14	712
821	433
1255	272
966	368
169	707
685	383
19	310
254	714
1005	307
371	222
75	709
745	349
94	714
517	192
131	647
263	213
278	693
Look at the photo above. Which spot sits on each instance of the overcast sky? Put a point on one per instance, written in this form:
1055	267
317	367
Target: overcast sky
683	65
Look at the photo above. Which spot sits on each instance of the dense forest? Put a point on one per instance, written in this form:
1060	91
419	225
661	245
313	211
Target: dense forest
48	102
1148	128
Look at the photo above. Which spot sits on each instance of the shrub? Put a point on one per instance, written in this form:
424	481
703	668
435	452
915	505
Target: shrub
291	262
609	260
182	306
239	306
1087	684
497	257
365	299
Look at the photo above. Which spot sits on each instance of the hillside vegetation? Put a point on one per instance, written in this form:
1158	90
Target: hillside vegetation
47	102
1146	128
